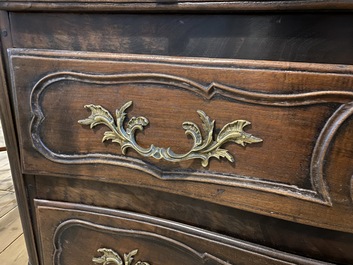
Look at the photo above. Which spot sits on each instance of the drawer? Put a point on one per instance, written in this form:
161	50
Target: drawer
292	162
66	232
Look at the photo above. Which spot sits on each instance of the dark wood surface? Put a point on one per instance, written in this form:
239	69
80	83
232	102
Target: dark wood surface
315	243
310	37
287	200
286	171
66	227
176	5
10	134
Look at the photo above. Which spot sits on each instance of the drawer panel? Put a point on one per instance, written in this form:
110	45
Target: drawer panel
65	228
303	240
296	109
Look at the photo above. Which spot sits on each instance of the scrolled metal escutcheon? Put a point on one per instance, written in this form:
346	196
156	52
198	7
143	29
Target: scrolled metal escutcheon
109	256
203	148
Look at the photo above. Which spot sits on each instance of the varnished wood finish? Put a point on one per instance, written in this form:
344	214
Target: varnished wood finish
317	38
65	227
167	5
308	119
330	246
10	134
287	200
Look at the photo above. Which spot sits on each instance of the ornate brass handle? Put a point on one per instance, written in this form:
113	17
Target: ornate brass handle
203	148
109	256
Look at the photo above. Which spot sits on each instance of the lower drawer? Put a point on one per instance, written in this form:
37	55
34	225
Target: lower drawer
72	234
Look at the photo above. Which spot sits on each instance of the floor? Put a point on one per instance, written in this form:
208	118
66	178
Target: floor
12	245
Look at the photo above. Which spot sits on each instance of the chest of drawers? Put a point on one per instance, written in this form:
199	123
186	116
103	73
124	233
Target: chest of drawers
181	132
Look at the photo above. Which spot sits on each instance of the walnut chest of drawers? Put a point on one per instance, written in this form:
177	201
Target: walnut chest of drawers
180	132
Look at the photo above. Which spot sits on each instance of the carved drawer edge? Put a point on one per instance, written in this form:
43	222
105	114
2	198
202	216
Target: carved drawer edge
128	232
319	194
216	62
164	224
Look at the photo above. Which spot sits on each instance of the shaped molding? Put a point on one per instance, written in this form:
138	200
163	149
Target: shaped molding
319	192
203	258
143	231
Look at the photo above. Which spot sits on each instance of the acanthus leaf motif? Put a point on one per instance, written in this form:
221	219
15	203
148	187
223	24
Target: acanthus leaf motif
99	115
220	152
203	148
109	256
121	114
208	126
193	130
234	131
136	124
110	135
128	258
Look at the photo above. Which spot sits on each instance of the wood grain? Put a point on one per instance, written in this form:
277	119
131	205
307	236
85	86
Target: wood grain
314	38
5	173
191	5
12	250
285	201
297	128
291	237
7	120
10	228
15	254
7	202
7	194
125	231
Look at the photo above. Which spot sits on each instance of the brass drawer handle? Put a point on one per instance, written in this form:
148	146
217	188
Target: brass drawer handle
111	257
203	148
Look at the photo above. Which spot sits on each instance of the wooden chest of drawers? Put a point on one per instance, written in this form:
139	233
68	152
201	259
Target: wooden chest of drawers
181	132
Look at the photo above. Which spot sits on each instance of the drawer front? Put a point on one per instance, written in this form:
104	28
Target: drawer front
77	234
294	158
